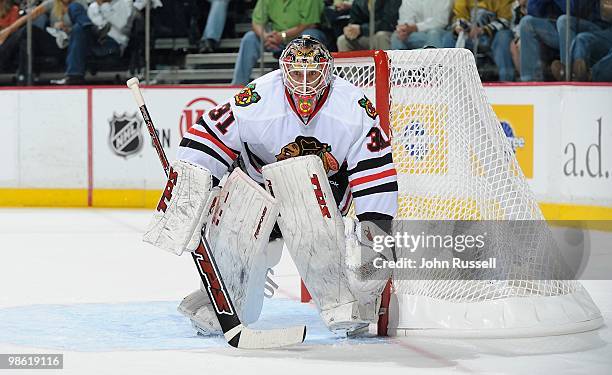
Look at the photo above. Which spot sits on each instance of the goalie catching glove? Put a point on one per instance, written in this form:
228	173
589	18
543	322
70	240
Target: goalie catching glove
365	280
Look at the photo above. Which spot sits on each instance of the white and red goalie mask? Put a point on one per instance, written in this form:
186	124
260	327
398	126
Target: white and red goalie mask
306	67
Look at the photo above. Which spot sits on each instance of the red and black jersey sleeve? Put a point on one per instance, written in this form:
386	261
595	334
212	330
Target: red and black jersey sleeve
213	142
371	173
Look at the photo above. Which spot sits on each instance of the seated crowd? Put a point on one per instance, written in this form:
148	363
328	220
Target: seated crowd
74	31
521	40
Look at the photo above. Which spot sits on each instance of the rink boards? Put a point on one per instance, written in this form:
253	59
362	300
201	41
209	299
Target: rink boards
87	146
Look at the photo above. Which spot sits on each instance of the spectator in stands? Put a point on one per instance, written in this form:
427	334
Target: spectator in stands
288	18
215	22
337	16
490	24
519	11
62	15
602	70
421	23
9	13
538	29
101	33
136	31
545	25
592	54
356	35
586	16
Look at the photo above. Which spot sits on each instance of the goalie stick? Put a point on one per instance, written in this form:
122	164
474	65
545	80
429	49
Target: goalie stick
236	334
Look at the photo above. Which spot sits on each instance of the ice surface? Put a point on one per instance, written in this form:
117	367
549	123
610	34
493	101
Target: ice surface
82	283
142	326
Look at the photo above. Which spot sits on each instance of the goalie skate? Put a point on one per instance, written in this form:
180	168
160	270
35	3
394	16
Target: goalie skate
199	310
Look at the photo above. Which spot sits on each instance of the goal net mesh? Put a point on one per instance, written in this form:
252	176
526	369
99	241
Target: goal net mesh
454	162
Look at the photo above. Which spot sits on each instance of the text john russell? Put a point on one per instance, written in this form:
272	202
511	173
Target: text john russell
434	263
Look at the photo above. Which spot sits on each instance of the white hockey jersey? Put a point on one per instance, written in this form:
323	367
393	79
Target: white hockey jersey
260	125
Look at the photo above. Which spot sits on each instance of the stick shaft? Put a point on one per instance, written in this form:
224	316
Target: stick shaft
133	84
156	142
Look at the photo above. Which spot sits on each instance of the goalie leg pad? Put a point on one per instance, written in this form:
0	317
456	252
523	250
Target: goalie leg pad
180	214
238	231
313	231
365	280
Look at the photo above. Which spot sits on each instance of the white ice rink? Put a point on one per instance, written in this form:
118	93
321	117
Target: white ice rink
82	283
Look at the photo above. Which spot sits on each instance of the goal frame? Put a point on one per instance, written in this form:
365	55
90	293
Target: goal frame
570	311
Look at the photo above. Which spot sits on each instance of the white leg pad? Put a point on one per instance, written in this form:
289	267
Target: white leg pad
238	231
313	231
366	281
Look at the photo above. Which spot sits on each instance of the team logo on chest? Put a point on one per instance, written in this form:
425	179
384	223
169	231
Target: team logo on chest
303	146
366	104
247	96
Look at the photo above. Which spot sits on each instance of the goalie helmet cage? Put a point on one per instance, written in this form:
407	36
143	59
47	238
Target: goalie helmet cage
454	163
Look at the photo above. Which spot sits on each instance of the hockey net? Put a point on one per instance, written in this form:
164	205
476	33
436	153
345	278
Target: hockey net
454	162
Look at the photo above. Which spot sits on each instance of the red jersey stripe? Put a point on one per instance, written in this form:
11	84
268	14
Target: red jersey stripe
376	176
214	140
347	203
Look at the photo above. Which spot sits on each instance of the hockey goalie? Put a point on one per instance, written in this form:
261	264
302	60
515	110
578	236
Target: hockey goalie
307	144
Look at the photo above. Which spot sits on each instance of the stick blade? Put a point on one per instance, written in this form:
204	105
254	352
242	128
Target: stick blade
268	339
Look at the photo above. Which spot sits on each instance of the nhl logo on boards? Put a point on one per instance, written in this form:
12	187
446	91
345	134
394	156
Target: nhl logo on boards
125	137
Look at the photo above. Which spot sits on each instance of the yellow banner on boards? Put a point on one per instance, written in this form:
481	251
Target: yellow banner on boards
517	123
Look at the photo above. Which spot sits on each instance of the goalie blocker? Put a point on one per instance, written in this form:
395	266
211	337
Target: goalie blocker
180	213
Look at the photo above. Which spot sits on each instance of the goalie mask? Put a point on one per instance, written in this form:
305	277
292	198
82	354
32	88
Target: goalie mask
306	67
